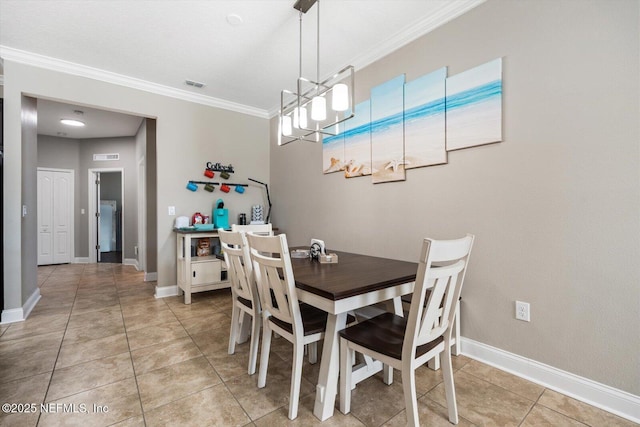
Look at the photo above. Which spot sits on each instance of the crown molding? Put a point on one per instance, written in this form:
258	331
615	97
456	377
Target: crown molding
451	11
54	64
447	13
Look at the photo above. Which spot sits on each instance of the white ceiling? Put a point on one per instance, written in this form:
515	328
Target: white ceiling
157	44
98	123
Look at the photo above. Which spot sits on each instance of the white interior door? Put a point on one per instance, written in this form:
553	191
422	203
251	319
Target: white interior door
62	224
55	216
45	217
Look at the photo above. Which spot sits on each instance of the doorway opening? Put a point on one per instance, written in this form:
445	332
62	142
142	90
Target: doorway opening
107	202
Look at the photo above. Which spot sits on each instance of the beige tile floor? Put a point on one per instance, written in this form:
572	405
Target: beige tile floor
100	343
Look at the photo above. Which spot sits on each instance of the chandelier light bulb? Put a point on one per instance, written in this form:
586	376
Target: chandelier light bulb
286	125
303	117
300	118
318	108
296	114
340	100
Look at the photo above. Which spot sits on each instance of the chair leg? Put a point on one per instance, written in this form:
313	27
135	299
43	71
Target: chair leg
455	349
296	378
243	330
449	387
233	335
387	374
410	397
434	363
255	338
346	365
313	352
264	357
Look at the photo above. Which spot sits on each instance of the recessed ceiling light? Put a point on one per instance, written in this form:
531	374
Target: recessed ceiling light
234	19
71	122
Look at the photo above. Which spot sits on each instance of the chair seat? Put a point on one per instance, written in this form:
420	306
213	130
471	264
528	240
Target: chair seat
384	334
314	320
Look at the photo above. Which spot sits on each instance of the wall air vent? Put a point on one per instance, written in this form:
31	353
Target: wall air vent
106	157
194	84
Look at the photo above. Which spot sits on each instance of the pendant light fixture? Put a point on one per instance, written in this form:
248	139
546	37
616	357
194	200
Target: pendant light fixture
304	114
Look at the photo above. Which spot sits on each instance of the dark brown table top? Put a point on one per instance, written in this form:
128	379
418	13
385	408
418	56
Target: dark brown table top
354	274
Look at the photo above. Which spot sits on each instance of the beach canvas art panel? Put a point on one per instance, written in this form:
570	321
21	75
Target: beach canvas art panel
424	120
333	153
387	131
357	142
474	106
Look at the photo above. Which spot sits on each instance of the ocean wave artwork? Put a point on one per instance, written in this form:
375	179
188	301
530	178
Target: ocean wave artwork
474	106
357	142
407	125
424	120
387	131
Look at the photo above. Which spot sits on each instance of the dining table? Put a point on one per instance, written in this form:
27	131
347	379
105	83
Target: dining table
356	281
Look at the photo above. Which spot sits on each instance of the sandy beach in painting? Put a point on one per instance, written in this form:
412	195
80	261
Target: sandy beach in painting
387	148
424	141
475	124
333	156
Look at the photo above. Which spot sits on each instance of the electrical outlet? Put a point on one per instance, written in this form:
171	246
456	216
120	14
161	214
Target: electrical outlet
522	311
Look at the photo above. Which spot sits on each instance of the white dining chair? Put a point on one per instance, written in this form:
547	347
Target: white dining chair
298	323
246	300
406	343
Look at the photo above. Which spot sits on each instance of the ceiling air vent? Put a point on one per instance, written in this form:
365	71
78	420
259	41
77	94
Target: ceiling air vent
106	157
194	84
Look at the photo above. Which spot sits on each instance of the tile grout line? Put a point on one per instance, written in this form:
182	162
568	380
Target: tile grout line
133	366
53	369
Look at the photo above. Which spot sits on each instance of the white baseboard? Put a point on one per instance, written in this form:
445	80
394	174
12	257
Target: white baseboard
81	260
150	277
602	396
19	314
131	261
11	315
31	302
166	291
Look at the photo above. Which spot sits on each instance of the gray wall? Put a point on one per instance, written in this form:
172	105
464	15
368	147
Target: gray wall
28	225
151	234
125	146
65	153
554	207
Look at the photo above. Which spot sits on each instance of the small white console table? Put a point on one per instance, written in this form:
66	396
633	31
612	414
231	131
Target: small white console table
198	273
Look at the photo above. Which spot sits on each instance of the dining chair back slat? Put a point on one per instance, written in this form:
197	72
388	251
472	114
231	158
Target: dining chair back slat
435	321
277	293
244	292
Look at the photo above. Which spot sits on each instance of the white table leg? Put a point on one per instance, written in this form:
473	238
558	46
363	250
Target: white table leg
326	389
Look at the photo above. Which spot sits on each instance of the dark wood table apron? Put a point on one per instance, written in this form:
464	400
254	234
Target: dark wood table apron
356	281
